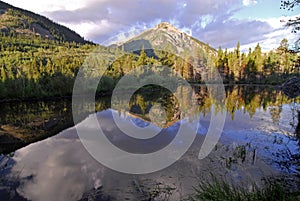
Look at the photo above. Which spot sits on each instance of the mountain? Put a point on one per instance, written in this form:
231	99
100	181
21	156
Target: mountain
193	59
166	36
16	21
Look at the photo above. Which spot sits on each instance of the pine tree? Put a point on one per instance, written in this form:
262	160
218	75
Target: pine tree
142	60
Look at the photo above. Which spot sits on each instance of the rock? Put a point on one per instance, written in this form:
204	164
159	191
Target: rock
291	87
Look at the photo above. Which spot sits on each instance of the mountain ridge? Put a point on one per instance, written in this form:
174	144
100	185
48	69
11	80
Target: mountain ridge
166	36
17	21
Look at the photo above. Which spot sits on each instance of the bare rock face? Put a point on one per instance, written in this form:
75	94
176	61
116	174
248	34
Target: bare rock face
165	36
291	87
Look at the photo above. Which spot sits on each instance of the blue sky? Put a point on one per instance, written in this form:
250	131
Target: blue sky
216	22
264	9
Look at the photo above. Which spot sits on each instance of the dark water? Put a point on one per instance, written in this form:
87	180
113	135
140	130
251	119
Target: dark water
259	140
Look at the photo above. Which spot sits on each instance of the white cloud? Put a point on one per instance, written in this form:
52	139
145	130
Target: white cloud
39	6
84	29
121	17
249	2
187	30
227	33
69	165
270	41
278	22
205	20
208	20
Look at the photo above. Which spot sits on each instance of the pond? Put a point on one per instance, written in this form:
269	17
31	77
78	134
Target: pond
258	141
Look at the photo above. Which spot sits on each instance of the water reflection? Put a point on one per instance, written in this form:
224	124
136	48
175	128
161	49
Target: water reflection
256	142
59	168
25	122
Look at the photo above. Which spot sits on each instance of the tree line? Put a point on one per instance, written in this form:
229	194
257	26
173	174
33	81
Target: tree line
257	67
39	67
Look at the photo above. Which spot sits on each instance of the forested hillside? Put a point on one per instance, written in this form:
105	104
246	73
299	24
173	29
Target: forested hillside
15	21
37	67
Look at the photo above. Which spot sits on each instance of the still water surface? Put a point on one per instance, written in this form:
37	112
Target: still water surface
258	141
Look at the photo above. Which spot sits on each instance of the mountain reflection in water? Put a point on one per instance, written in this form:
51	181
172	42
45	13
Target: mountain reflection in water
260	121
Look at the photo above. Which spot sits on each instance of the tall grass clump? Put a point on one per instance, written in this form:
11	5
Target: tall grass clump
221	191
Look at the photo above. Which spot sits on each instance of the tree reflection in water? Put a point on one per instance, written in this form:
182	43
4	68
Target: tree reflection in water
26	122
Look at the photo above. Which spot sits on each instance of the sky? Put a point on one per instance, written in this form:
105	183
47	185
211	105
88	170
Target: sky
216	22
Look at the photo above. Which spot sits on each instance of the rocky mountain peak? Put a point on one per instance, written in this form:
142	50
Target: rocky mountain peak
166	26
166	36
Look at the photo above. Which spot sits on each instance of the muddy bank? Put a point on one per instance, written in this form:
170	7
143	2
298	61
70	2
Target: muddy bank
13	137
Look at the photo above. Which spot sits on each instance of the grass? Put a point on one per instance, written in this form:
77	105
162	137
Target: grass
221	191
